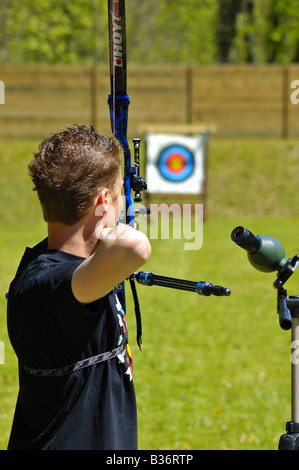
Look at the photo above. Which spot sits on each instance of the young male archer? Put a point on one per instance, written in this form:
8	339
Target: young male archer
65	321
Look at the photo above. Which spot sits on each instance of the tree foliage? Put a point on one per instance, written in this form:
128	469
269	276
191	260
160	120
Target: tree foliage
159	31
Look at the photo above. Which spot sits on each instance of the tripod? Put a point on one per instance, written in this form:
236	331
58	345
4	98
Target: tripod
288	310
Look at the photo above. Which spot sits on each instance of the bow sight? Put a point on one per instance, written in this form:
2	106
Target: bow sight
137	183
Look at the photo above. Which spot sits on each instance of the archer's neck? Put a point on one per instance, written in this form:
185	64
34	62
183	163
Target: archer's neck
78	239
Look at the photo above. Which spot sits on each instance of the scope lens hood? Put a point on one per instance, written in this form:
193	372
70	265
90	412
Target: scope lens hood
246	240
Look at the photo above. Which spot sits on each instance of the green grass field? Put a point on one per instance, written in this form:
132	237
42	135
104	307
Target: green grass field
214	373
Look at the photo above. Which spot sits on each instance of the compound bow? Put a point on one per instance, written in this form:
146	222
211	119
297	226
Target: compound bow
118	102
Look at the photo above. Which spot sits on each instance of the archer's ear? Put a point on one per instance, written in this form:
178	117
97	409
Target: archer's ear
102	197
101	203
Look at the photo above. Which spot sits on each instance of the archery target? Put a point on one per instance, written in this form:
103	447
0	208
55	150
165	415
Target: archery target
175	164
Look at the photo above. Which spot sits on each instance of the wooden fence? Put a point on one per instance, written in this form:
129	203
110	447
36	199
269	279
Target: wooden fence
240	101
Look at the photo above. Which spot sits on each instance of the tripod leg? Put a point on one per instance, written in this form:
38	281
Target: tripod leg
295	372
290	440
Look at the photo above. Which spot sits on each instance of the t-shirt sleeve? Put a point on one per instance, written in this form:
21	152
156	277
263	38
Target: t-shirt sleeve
53	285
60	285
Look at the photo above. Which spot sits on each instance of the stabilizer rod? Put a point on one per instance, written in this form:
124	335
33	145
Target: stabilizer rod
201	288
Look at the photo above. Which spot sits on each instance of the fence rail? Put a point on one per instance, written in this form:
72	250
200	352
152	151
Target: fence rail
240	101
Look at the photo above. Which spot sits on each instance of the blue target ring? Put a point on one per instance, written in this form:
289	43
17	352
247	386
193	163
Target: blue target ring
176	163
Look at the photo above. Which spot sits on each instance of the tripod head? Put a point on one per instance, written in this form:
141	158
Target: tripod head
265	253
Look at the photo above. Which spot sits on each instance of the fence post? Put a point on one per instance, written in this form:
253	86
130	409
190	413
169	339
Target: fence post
189	71
285	103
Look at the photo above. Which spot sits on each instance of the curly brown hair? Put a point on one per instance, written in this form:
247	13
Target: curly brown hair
69	169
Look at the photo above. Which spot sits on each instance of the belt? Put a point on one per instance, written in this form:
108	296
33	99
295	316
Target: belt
78	365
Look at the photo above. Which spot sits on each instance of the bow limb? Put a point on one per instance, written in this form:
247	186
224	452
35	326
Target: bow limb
119	99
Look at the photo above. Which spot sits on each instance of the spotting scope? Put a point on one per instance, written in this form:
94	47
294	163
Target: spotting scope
265	253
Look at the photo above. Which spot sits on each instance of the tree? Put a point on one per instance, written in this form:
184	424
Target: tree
52	31
267	32
159	31
226	27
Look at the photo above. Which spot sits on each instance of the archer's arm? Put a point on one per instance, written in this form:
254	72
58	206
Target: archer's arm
121	251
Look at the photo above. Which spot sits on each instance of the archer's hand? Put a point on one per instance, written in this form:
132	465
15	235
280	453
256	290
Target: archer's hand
121	251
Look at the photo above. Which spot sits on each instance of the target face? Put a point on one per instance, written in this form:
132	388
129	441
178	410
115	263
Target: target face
176	163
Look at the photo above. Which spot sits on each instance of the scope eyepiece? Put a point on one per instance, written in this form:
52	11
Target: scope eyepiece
245	239
265	253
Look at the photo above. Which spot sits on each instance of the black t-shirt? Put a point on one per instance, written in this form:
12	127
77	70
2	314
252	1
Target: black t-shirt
90	409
